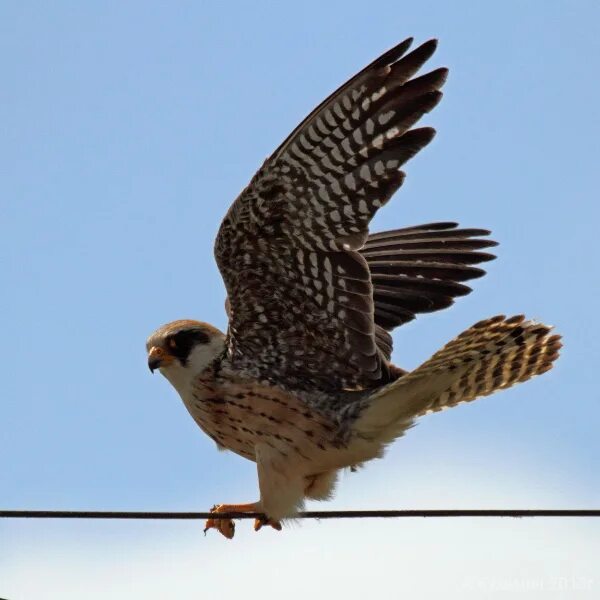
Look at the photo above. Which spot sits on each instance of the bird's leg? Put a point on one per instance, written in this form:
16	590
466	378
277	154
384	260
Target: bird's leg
227	526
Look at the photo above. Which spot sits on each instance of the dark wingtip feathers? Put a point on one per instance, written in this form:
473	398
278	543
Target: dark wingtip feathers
420	136
393	54
408	65
426	49
419	269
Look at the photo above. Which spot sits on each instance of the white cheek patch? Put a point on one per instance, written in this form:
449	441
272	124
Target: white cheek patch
201	356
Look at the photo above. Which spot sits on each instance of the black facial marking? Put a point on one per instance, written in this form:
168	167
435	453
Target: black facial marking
180	344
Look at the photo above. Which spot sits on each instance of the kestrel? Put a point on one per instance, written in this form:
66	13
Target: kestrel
302	382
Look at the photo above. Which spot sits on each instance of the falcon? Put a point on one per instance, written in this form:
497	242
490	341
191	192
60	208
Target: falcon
302	382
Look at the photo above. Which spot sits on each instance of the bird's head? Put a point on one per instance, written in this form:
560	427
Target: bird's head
183	349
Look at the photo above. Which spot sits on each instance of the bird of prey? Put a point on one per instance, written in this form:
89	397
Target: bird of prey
302	381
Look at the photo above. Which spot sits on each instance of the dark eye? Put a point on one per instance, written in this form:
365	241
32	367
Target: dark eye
190	337
180	344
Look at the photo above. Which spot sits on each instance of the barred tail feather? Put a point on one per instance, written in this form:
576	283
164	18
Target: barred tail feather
492	355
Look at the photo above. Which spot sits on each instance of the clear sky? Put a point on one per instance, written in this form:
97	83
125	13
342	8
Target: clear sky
126	130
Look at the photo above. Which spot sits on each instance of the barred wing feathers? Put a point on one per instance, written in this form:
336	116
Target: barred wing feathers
300	293
421	269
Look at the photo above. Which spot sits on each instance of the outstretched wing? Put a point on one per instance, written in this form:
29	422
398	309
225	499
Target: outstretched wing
300	293
421	269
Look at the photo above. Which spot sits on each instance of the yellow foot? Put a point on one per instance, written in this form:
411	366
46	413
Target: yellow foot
224	526
258	524
227	527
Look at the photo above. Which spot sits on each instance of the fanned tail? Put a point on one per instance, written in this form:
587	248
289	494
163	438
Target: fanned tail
492	355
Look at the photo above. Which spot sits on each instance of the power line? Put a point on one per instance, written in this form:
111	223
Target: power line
333	514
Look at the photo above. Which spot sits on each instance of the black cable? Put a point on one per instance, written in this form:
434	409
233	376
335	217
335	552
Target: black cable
334	514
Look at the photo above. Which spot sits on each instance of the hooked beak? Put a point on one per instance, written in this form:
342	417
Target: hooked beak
157	357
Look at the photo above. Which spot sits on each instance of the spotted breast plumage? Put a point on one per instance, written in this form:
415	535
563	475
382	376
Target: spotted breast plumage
302	382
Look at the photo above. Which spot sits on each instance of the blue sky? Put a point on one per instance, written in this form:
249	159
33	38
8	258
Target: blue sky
127	129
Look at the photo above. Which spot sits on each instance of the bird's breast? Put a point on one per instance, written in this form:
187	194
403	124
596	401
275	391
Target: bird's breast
240	414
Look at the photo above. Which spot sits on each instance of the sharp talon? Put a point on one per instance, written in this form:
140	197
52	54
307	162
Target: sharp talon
226	527
258	524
